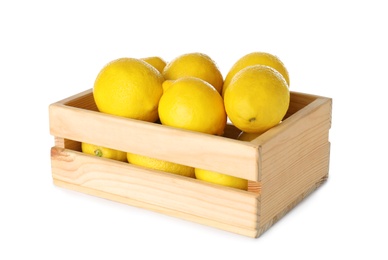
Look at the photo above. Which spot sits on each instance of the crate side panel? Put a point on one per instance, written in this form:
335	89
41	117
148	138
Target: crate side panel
279	157
301	104
147	187
266	225
298	101
295	158
163	210
314	119
195	149
280	194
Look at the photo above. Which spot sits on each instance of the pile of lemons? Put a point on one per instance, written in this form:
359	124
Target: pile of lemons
189	92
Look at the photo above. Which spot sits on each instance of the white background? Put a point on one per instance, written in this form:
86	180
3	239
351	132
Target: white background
50	50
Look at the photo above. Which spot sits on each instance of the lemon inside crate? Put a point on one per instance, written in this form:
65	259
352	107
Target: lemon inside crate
282	165
85	101
76	146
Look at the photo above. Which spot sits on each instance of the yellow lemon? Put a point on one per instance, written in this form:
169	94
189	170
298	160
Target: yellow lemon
157	62
129	87
221	179
103	152
161	165
193	104
256	58
166	84
257	99
197	65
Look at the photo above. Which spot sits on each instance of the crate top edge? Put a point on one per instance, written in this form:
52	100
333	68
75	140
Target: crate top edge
70	156
59	106
83	93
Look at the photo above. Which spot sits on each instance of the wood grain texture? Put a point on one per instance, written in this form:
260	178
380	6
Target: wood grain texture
264	226
213	205
190	148
282	166
298	101
294	158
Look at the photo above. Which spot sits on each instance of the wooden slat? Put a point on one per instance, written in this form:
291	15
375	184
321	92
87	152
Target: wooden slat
82	100
298	101
294	157
222	207
254	186
282	190
200	150
288	136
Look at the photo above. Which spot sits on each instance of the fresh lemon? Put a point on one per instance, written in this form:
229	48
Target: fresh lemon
103	152
157	62
166	84
129	87
193	104
161	165
197	65
221	179
256	58
257	99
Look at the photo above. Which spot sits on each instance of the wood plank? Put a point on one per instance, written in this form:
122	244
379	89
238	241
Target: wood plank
280	191
254	186
281	213
303	128
191	199
294	157
316	113
82	100
166	211
195	149
298	101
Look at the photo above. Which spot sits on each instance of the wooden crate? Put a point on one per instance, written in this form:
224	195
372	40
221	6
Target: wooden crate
283	165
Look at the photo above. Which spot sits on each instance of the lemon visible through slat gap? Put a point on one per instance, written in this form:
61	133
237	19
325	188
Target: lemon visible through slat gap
221	179
103	152
161	165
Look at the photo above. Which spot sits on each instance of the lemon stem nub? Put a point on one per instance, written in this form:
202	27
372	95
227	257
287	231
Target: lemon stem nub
252	119
98	152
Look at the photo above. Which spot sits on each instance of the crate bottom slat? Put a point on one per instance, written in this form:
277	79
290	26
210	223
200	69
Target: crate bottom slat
162	210
255	233
222	207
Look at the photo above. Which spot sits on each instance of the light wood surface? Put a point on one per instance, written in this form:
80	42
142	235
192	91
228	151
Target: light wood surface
200	150
231	209
282	166
294	157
